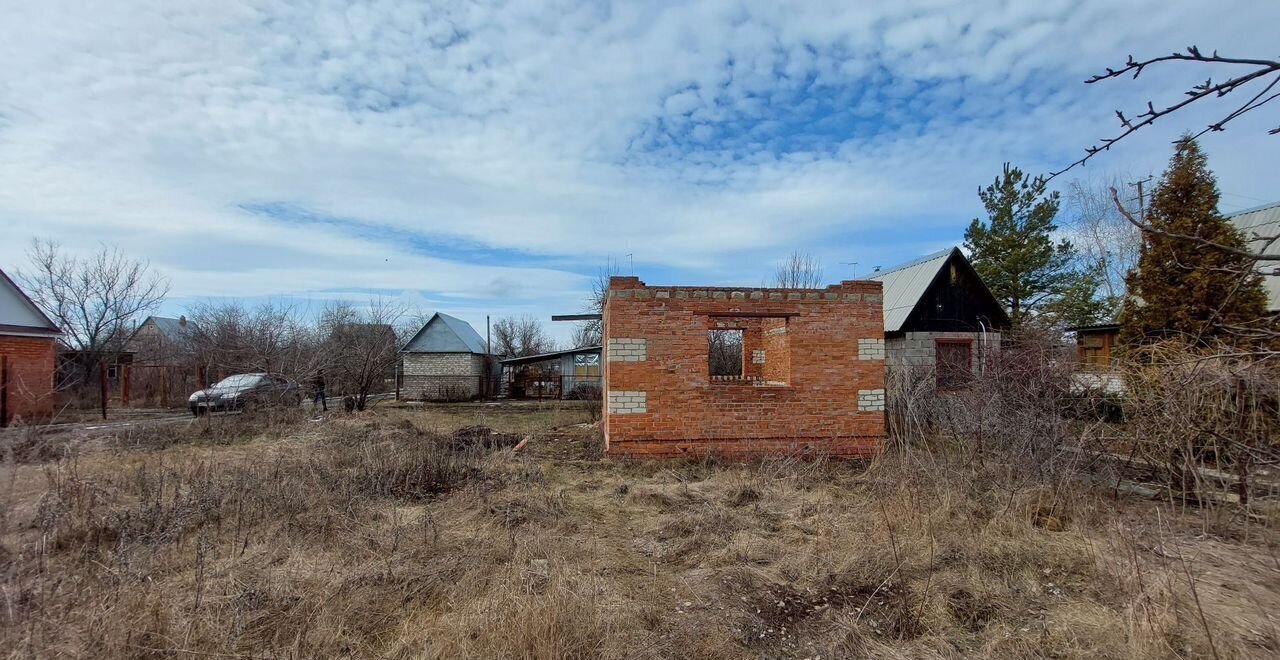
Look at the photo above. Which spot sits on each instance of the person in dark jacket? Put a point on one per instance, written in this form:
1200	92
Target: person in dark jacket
317	389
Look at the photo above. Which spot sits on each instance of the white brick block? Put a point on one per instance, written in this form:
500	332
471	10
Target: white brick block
627	403
871	349
622	349
870	400
757	357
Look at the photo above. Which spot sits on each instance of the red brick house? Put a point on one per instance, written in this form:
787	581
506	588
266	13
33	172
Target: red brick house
806	373
28	357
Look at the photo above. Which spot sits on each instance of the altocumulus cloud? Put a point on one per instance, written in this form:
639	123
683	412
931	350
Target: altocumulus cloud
490	156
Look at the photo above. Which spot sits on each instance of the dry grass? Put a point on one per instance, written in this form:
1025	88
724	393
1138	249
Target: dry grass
379	536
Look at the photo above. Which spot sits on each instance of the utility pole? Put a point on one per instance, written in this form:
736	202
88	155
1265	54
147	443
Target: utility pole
1142	201
1142	211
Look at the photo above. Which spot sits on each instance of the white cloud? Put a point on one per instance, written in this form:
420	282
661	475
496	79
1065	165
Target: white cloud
696	136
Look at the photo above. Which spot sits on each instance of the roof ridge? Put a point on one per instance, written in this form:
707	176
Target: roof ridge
1264	207
914	262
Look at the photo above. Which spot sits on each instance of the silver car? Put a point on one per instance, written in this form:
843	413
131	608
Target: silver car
244	391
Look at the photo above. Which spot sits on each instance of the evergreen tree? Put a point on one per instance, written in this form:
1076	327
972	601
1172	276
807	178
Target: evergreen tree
1014	250
1079	302
1180	287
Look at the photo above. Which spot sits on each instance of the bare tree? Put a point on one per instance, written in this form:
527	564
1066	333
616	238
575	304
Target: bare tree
589	333
1263	73
361	346
95	299
800	270
1106	242
724	350
229	338
520	337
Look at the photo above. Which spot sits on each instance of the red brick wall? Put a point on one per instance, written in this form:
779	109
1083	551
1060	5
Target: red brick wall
661	400
31	365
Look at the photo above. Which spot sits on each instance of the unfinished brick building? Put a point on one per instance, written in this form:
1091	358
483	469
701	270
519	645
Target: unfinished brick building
811	378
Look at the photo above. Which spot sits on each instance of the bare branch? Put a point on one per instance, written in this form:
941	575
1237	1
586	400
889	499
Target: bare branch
1260	255
1263	69
800	270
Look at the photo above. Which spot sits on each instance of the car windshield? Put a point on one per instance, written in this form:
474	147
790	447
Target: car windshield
239	380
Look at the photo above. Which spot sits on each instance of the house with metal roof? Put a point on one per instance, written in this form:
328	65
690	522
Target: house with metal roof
447	360
28	356
1259	226
939	316
570	374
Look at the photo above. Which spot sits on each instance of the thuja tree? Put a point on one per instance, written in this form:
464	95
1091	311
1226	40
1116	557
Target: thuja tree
1181	288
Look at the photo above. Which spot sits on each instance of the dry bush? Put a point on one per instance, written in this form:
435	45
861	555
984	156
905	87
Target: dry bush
130	561
1190	409
1018	407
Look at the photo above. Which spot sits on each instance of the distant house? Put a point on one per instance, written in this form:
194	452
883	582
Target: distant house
447	360
28	356
163	369
939	317
572	374
160	340
1263	221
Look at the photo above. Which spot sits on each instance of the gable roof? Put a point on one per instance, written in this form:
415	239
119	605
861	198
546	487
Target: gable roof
446	334
905	284
169	327
19	315
1263	221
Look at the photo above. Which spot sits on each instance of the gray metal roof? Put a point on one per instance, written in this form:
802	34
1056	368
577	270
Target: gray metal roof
169	327
905	284
1263	221
526	359
446	334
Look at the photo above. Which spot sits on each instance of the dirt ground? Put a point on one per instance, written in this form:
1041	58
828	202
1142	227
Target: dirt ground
392	534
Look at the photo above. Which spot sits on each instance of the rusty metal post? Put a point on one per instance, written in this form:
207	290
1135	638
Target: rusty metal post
102	387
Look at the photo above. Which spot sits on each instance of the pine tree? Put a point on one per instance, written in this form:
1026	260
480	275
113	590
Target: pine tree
1014	250
1182	288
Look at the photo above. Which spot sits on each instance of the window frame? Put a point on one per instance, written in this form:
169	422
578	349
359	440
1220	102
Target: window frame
967	376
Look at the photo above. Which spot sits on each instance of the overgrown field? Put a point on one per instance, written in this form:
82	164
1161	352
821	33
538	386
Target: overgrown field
392	534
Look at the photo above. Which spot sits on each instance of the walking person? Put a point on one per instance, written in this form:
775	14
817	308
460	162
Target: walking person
317	389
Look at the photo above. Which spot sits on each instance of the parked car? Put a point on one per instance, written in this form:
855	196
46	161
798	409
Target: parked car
246	390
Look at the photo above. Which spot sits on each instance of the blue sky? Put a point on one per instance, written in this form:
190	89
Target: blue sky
488	158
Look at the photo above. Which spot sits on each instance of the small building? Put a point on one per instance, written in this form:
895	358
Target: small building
940	318
1096	345
447	360
572	374
743	371
28	357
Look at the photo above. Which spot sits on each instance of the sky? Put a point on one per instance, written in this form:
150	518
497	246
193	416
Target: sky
489	158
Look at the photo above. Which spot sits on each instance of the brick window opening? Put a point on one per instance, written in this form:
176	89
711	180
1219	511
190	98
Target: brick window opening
724	354
954	363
